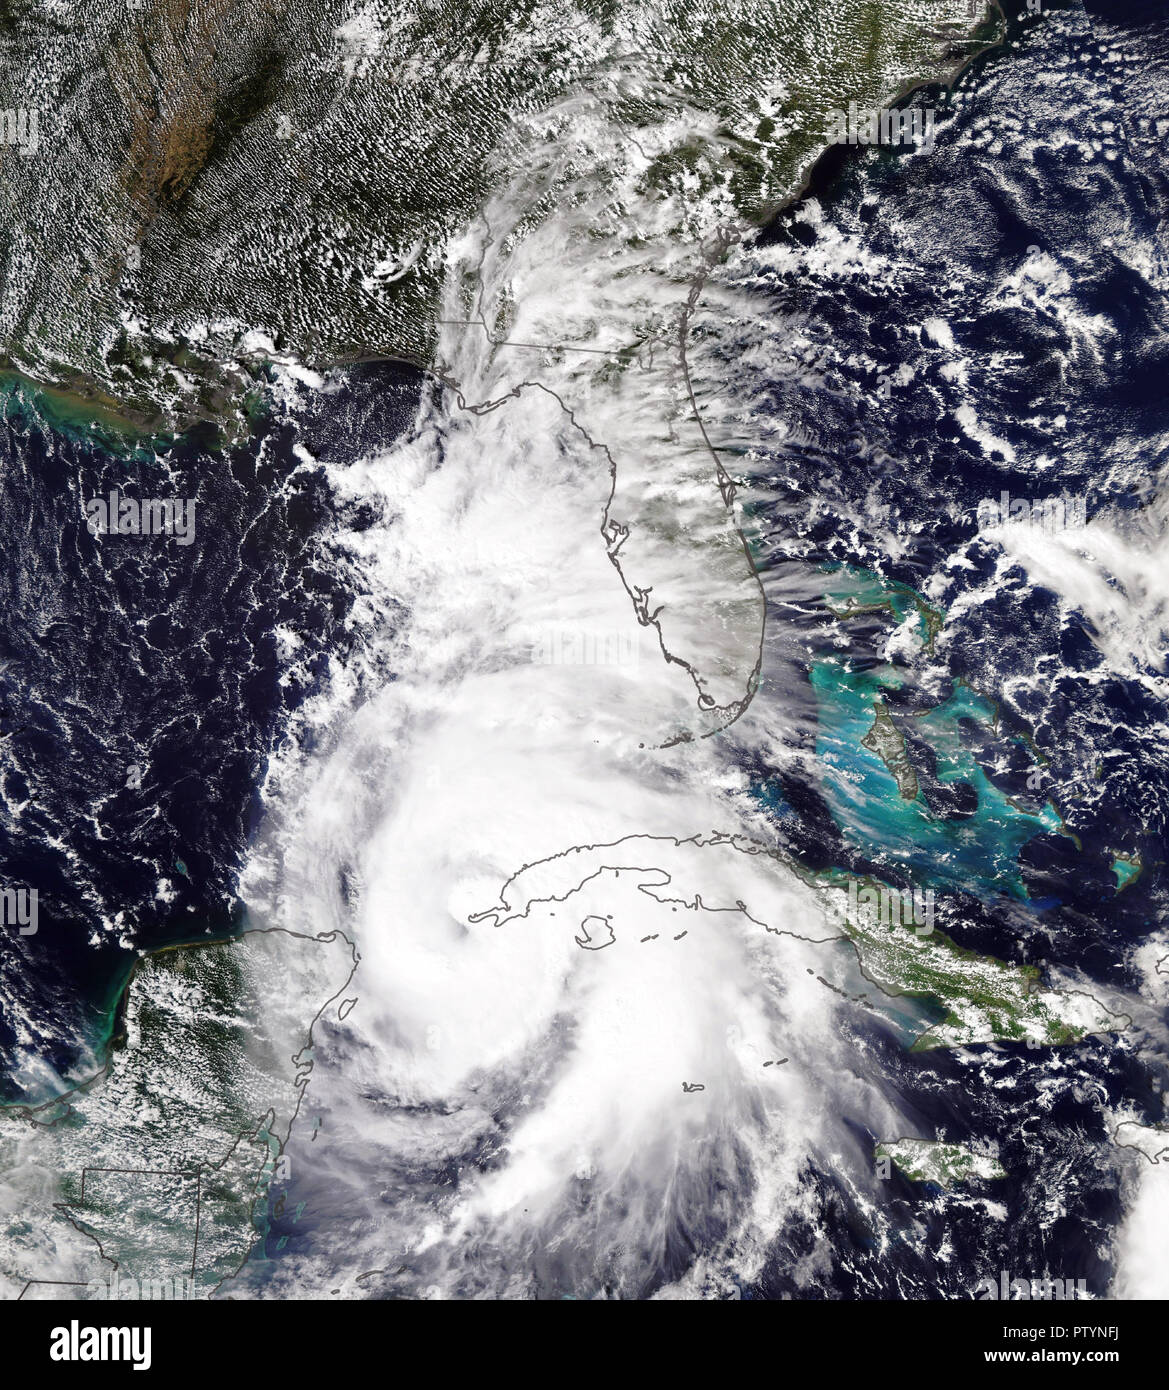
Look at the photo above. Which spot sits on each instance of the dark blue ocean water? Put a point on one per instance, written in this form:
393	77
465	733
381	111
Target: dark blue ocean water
1049	148
133	654
889	483
142	686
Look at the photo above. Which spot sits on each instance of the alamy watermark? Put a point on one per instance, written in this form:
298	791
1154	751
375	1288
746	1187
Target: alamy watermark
171	1288
872	905
78	1343
1015	1290
20	128
574	647
19	908
913	125
150	516
1047	514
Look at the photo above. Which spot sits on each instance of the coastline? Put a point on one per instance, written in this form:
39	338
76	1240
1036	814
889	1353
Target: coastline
88	413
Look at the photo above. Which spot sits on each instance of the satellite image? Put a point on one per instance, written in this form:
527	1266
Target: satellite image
584	657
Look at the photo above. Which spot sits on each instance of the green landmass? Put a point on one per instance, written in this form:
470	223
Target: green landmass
924	1160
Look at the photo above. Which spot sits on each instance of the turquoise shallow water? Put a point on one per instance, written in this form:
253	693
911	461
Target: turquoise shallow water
979	852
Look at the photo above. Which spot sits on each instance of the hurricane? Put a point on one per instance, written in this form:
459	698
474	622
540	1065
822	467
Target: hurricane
617	748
